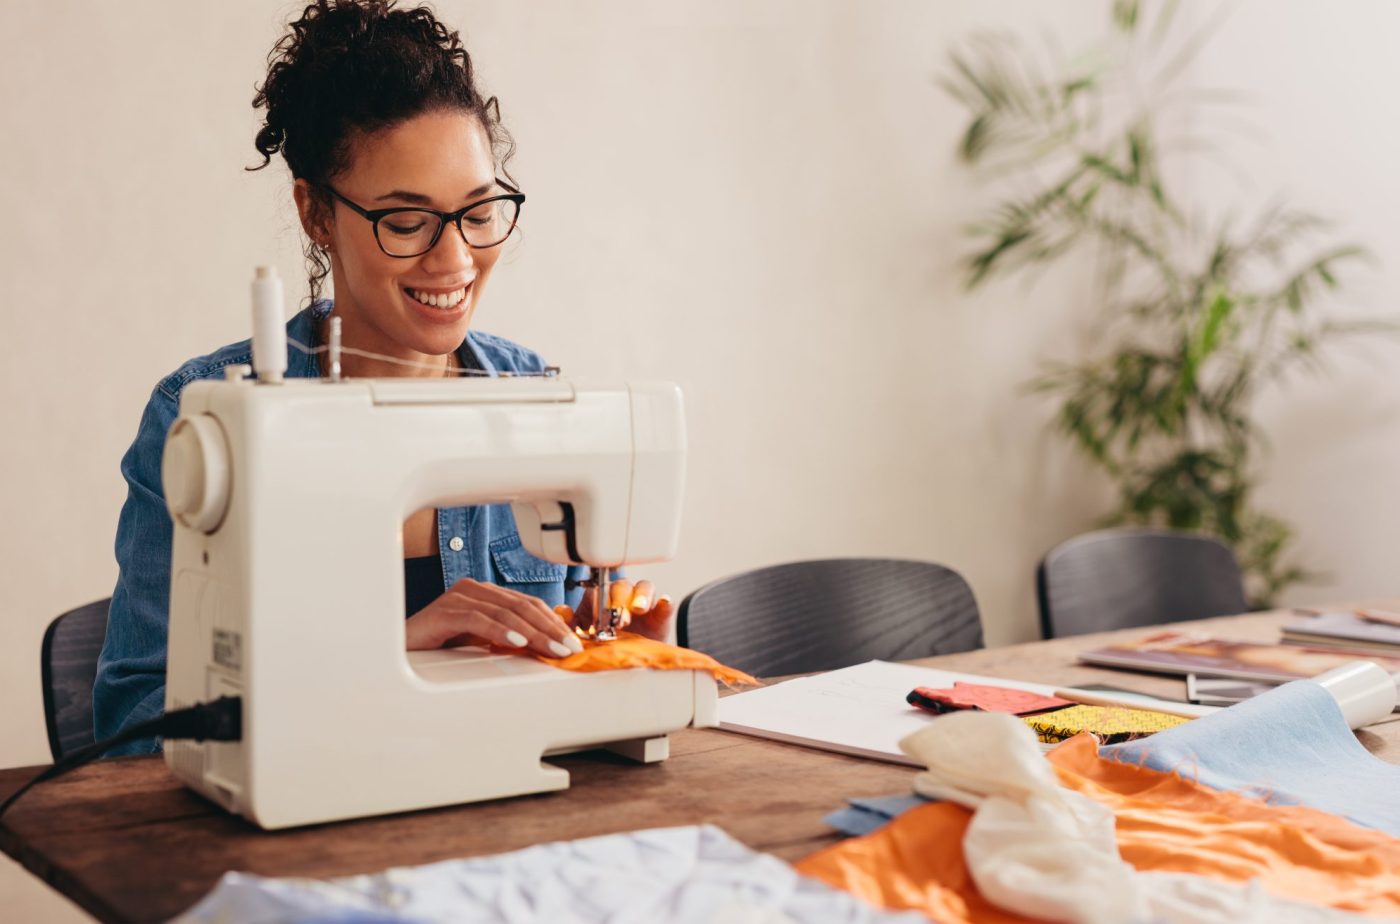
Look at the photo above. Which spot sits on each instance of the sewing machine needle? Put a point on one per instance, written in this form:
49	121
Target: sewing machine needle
605	617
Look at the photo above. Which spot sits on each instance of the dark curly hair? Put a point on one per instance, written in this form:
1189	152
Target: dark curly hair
354	66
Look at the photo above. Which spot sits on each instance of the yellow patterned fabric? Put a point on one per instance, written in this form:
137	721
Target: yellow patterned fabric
1110	724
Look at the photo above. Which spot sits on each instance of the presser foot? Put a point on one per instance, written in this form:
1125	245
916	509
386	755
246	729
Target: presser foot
608	619
605	629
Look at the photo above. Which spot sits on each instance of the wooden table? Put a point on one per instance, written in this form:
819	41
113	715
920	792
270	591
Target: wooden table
127	842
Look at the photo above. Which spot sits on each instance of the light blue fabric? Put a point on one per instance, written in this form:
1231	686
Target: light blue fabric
130	684
862	816
697	873
1290	745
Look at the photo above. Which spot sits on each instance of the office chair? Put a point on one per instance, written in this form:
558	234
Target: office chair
810	616
68	667
1122	579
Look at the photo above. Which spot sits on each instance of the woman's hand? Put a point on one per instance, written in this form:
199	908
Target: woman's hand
473	613
642	611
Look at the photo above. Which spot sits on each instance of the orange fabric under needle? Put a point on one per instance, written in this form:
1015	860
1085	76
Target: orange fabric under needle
632	650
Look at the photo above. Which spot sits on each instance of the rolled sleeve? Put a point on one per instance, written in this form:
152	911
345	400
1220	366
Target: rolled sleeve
130	685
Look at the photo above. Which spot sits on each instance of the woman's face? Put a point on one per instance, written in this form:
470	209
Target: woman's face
441	160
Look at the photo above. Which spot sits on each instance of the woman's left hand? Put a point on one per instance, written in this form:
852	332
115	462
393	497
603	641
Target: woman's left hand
643	612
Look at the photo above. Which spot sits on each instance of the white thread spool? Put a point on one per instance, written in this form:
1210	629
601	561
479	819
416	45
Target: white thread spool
1364	690
269	327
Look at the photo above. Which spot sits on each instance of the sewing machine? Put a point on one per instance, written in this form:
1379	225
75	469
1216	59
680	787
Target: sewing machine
287	585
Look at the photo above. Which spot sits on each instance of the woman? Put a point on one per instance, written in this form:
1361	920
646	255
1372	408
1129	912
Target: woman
396	160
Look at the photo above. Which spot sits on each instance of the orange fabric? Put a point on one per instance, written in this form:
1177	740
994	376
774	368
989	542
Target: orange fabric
632	650
914	862
1169	823
1164	823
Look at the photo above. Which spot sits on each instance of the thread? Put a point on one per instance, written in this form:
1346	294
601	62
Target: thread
548	372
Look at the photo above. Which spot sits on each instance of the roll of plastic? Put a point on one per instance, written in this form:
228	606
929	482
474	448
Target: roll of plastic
269	327
1364	690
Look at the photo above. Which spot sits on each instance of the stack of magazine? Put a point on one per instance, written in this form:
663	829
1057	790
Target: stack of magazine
1373	630
1311	646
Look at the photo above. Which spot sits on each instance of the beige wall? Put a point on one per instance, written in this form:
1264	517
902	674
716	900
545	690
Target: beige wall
1324	130
756	200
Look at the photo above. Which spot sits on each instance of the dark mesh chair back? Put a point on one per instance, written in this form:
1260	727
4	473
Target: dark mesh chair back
68	667
1122	579
820	615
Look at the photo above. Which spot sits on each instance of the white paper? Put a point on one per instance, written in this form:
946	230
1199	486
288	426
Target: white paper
857	710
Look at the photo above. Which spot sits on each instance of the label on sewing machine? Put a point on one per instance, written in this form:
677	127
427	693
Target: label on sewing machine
228	649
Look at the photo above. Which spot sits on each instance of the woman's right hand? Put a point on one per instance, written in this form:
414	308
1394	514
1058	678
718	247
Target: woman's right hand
473	613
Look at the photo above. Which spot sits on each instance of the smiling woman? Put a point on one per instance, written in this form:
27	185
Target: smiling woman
396	161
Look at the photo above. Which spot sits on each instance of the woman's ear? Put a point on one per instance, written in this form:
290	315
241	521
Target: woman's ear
315	217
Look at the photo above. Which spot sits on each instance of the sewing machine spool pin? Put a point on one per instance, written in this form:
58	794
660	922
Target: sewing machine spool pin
333	353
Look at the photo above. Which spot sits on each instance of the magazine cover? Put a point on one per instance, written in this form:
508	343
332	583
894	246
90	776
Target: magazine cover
1184	653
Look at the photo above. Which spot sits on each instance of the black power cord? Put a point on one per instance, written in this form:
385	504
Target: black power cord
220	720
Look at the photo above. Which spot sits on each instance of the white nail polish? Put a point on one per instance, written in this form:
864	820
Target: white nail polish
516	639
641	604
573	644
559	650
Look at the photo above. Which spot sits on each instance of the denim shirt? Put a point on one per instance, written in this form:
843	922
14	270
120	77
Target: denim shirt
481	543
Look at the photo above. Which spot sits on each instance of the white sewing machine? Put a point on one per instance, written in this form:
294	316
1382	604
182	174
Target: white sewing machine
287	585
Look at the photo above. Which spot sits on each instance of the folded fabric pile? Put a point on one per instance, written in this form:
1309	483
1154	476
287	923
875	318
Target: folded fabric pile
1125	836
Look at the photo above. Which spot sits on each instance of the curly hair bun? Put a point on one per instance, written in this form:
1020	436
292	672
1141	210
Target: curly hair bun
353	66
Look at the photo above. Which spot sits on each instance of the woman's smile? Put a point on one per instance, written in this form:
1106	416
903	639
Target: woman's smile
438	298
439	304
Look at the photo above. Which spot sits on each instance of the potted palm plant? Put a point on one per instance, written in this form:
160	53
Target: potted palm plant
1201	314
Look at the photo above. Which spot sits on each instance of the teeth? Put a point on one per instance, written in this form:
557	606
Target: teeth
448	300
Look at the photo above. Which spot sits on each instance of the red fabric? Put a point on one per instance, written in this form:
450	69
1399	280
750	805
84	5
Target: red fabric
986	698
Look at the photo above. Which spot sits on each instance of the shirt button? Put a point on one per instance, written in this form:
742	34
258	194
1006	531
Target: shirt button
455	543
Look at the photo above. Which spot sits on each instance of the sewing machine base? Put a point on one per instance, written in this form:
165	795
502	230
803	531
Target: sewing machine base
429	754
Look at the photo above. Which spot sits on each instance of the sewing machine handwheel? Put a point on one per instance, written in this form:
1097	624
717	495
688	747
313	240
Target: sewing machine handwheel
194	469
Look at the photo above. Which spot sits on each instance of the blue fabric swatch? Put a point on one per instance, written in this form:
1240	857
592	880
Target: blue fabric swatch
863	816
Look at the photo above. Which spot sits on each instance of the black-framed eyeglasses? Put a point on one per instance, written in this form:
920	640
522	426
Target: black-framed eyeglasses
412	232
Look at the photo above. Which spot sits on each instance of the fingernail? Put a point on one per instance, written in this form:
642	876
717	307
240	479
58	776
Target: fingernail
516	639
641	604
573	644
664	598
559	650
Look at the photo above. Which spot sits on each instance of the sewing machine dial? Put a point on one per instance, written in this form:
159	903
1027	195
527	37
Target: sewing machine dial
195	472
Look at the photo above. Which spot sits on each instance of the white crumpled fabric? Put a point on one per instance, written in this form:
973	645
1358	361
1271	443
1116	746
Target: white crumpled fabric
1039	849
664	874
